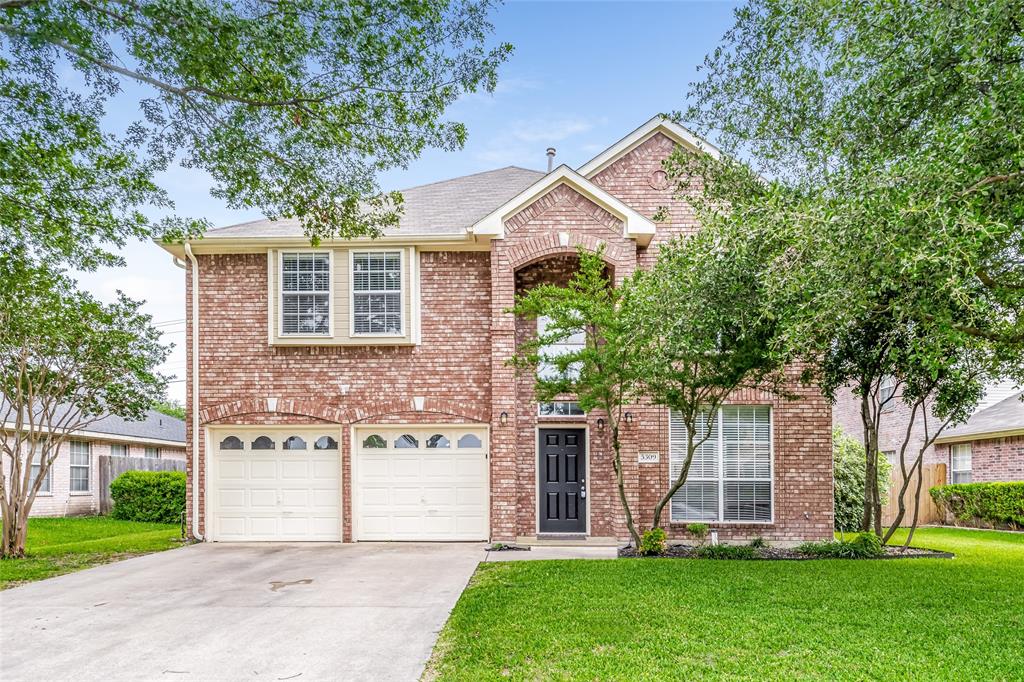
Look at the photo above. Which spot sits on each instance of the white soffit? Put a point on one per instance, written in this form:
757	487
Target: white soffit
671	129
636	226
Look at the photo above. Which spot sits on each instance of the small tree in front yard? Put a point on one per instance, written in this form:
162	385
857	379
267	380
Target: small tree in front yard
703	329
603	373
66	361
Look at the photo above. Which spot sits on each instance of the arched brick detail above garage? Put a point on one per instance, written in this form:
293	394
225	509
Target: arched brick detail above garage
366	411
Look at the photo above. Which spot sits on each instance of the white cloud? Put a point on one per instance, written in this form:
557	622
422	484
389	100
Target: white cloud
526	139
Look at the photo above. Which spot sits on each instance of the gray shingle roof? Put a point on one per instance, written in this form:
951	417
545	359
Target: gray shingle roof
1006	415
155	425
444	207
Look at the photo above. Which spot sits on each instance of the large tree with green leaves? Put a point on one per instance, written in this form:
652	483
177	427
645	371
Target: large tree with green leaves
66	361
705	327
883	144
293	107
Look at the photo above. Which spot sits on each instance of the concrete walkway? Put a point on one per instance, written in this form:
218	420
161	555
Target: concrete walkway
548	552
239	612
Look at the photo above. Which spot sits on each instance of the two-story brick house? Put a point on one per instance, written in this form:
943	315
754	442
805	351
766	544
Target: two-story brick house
360	390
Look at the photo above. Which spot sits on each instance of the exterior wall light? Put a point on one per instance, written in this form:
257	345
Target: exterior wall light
600	423
629	417
503	419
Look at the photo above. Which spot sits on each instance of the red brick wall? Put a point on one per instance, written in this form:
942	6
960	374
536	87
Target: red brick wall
467	338
236	362
992	459
892	429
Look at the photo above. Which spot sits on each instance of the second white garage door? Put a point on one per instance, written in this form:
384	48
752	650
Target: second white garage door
416	483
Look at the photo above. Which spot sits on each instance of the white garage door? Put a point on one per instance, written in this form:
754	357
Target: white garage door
416	483
274	484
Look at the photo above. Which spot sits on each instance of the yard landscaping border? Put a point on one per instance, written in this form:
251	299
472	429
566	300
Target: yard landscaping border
781	554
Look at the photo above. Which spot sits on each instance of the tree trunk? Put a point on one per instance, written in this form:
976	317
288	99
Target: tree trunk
871	502
14	531
674	488
621	483
917	503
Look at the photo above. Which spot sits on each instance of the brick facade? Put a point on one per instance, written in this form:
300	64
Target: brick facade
992	459
60	501
460	366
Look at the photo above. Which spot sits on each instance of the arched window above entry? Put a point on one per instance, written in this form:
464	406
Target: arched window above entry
232	443
263	443
438	440
325	443
469	440
294	443
406	441
375	440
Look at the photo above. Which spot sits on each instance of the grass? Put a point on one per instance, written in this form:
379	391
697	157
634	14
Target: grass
694	619
63	545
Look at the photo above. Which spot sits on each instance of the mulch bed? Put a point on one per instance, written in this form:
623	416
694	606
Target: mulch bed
789	554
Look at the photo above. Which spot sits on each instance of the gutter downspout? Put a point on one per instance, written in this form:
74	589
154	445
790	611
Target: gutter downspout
195	391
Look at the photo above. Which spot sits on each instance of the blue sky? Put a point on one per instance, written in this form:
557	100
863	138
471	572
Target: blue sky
583	75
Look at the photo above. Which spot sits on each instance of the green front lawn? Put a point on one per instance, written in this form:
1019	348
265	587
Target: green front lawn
63	545
689	619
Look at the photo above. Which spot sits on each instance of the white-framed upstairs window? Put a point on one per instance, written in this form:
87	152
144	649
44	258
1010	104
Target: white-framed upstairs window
119	449
887	392
961	464
731	476
152	452
81	466
546	369
378	293
305	293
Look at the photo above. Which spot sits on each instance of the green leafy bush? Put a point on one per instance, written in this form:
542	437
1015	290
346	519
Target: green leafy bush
726	552
699	531
862	546
848	457
152	496
758	543
988	504
652	542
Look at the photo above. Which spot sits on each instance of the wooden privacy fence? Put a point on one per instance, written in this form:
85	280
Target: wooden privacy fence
931	476
111	466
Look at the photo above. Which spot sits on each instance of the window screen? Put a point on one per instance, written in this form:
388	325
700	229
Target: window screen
377	292
305	293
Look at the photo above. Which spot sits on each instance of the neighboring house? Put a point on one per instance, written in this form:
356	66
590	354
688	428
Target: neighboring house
1000	412
360	390
71	486
989	446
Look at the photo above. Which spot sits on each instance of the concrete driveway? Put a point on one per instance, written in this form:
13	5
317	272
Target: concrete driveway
239	612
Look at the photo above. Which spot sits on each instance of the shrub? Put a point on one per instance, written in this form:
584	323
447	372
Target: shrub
151	496
652	542
848	457
862	546
758	543
699	531
982	503
726	552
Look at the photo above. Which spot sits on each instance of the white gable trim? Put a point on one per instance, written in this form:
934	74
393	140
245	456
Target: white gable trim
636	226
658	124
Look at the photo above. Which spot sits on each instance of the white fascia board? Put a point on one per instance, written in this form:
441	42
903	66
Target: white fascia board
671	129
980	435
635	225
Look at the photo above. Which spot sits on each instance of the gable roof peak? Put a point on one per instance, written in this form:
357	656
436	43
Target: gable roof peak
657	124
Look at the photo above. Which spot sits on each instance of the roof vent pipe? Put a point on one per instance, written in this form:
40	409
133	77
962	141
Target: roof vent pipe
551	157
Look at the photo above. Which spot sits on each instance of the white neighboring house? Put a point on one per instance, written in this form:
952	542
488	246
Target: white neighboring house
72	482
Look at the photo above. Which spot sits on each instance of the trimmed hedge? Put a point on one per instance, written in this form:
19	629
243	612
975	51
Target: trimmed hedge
151	496
990	504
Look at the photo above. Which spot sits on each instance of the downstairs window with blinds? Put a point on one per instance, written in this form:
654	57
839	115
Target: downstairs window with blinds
730	477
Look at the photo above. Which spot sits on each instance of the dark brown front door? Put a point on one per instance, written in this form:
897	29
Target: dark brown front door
562	467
